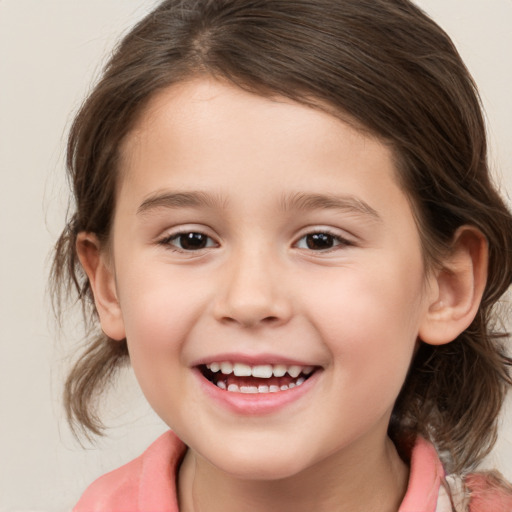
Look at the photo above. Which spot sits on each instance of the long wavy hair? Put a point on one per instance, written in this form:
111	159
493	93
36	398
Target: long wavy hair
382	63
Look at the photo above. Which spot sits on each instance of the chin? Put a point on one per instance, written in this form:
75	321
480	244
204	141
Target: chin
265	465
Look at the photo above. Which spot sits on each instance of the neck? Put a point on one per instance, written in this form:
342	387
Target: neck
355	481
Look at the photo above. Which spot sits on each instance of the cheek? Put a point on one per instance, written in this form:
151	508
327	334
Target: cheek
159	310
370	326
157	321
155	302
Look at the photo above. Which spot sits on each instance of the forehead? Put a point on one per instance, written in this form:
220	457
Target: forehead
198	134
195	104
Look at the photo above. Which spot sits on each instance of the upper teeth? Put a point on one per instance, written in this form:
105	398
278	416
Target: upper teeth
263	371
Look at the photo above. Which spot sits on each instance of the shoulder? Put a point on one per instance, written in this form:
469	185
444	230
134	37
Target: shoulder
429	490
145	483
479	492
488	491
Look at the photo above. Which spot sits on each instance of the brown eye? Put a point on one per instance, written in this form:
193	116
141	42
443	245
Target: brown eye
321	242
192	241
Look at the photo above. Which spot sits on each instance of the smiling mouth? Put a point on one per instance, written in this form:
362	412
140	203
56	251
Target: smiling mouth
244	378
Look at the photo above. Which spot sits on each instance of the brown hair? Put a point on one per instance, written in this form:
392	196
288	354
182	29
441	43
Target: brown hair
382	63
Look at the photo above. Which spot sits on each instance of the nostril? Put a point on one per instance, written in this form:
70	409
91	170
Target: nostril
251	309
250	320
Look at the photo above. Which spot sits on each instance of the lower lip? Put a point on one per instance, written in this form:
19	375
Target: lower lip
252	404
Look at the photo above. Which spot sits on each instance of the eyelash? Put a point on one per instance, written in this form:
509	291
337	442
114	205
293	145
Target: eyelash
167	241
338	241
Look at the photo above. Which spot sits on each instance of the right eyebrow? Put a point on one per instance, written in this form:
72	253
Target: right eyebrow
194	199
345	203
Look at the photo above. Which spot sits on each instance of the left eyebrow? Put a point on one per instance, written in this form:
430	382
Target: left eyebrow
347	203
194	199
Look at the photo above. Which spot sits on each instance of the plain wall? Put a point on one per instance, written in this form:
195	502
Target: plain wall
50	53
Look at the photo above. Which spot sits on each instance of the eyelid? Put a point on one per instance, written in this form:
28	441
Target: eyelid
173	234
340	236
344	241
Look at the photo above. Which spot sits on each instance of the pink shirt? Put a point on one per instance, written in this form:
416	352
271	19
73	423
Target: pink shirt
148	484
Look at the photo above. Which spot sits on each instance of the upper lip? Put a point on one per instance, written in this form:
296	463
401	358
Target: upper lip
252	359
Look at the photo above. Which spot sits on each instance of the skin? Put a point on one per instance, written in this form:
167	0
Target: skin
355	310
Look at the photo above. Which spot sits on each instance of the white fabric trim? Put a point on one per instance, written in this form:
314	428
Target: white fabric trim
453	496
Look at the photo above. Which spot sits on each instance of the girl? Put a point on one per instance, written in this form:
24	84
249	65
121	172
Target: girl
284	220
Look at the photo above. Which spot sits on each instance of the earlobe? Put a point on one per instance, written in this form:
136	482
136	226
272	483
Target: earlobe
457	289
102	280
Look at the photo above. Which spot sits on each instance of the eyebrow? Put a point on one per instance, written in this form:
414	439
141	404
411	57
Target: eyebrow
299	201
194	199
347	203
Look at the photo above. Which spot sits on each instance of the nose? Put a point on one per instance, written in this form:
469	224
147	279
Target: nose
252	292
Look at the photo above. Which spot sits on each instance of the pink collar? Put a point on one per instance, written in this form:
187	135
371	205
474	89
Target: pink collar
149	482
426	475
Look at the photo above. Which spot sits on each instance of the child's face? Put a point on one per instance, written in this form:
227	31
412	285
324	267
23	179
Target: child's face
305	253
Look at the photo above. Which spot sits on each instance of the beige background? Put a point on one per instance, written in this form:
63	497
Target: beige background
50	52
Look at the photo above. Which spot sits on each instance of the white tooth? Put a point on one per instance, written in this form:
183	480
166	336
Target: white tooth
291	385
284	387
226	368
214	367
294	371
242	370
248	389
262	389
279	370
263	371
300	381
273	388
234	388
307	370
221	384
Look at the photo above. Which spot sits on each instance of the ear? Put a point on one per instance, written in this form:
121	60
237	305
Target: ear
95	262
457	288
